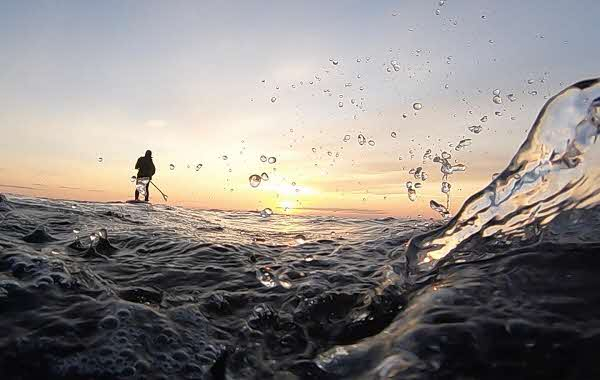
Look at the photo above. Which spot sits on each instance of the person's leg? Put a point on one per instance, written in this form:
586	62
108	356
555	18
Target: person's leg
137	194
147	191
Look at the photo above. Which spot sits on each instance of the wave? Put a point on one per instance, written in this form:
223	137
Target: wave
553	171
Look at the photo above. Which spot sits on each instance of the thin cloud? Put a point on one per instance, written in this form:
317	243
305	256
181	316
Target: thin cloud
18	187
156	123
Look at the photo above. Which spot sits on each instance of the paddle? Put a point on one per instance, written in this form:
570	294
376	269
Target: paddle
163	194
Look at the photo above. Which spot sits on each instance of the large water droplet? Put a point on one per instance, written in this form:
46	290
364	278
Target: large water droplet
254	180
417	106
475	129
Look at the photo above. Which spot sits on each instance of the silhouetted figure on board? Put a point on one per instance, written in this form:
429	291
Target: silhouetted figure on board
146	169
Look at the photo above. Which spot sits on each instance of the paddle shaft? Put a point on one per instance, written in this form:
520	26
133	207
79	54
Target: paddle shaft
163	194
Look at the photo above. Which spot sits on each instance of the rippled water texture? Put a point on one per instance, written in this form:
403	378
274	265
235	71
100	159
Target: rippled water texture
509	288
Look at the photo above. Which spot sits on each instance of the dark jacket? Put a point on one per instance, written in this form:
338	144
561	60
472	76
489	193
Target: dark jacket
145	167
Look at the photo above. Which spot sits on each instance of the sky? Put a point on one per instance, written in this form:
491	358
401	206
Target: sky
221	83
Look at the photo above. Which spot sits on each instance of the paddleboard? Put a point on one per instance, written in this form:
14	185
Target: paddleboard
133	201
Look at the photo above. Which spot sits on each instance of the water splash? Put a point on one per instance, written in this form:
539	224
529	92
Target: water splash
549	174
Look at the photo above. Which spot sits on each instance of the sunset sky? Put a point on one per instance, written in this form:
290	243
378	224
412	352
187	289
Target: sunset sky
195	81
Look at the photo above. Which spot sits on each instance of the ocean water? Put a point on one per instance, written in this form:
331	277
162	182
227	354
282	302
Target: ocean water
507	288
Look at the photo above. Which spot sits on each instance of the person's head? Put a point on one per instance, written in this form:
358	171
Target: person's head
149	153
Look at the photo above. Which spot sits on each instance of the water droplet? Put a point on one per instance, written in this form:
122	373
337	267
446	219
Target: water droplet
511	97
439	208
417	106
446	155
394	135
361	139
446	187
371	143
463	143
224	158
314	150
133	178
418	185
272	160
497	100
496	92
438	12
530	81
459	168
100	159
273	99
346	138
198	167
340	104
484	119
172	167
412	194
334	61
265	277
254	180
264	176
475	129
265	213
263	158
395	65
348	84
533	93
300	239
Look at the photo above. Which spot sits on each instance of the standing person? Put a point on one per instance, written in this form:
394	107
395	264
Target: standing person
146	170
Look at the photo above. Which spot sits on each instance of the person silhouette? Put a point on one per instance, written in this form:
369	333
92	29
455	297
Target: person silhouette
146	170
